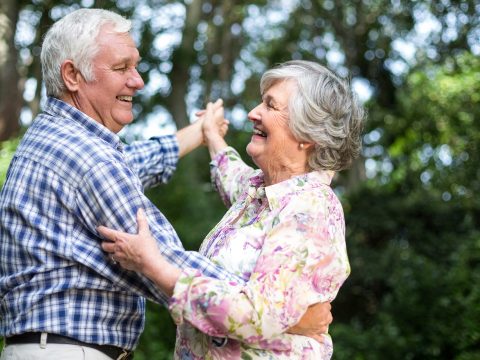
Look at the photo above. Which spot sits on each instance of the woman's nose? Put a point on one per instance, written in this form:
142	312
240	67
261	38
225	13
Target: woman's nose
254	113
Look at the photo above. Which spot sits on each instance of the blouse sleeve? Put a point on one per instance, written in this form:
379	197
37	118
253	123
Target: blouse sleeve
230	175
303	261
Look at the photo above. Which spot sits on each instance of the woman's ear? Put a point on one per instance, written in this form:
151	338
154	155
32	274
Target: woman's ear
70	75
305	145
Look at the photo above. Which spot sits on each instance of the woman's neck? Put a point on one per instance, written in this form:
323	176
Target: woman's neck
275	176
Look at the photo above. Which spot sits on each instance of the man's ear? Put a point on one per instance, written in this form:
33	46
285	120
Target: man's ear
71	75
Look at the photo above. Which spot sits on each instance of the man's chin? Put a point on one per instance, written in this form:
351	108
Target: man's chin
117	126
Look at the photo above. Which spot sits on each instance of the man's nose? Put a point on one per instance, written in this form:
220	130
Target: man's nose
135	80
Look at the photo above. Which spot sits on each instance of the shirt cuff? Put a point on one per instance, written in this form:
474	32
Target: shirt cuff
222	156
168	146
179	299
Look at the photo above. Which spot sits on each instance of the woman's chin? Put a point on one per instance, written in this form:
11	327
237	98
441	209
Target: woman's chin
251	149
253	152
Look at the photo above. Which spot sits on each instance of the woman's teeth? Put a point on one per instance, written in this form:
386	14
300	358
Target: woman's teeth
258	132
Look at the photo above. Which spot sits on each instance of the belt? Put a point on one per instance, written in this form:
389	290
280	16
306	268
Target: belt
114	352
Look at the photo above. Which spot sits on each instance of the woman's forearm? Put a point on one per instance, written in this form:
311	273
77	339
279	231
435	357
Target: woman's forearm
215	144
163	274
214	128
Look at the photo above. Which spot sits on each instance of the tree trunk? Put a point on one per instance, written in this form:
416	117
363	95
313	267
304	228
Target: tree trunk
36	66
10	87
183	58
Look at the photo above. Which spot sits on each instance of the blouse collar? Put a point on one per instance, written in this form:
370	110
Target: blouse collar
293	185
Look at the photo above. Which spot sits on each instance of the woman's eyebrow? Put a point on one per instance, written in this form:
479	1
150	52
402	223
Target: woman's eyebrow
268	98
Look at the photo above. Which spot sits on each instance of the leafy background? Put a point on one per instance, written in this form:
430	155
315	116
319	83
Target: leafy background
411	202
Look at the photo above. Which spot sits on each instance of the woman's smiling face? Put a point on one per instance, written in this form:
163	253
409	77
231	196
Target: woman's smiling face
273	146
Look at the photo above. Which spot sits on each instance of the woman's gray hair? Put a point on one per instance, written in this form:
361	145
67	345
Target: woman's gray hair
323	111
74	37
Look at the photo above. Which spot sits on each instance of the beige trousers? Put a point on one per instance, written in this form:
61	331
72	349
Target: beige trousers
51	352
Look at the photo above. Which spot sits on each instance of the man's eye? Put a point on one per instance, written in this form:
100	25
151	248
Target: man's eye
122	69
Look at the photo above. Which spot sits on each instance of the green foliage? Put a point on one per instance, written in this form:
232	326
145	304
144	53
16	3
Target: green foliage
415	252
158	339
436	128
7	149
414	261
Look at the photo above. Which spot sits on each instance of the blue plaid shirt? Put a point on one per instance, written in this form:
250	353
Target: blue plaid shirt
69	175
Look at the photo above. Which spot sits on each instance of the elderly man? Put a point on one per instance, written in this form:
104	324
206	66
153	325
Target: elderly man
62	297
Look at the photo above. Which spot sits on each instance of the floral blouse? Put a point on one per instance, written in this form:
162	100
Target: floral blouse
287	241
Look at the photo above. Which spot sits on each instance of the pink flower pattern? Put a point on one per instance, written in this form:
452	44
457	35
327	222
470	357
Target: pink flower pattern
287	241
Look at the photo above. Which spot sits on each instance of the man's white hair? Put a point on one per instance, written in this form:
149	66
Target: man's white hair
74	37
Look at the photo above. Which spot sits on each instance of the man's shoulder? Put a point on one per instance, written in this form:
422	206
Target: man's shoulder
64	146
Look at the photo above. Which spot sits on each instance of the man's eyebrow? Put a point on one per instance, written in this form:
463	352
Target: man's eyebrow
127	60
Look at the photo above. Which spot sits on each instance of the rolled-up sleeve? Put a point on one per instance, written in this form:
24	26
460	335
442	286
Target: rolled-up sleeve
154	160
230	175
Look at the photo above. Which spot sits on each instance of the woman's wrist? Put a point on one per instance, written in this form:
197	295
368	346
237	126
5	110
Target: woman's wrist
215	144
163	274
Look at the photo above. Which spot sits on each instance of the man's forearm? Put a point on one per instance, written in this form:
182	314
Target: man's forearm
189	138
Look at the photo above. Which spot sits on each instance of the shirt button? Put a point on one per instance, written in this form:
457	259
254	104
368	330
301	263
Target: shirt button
219	342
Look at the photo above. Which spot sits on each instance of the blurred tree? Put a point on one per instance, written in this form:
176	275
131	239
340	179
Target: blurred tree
198	50
364	37
414	229
376	41
11	88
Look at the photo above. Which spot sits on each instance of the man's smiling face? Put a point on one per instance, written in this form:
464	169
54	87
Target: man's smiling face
108	98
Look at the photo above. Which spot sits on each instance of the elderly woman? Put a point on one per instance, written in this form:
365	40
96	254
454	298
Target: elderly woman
284	231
